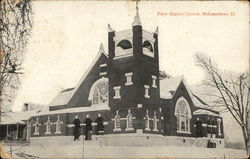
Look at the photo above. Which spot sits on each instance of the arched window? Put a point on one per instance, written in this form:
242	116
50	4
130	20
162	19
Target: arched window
148	46
148	49
129	121
117	122
123	49
147	121
99	92
58	125
48	126
183	115
155	120
37	127
124	44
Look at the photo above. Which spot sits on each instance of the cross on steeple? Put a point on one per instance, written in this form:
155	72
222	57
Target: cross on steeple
137	17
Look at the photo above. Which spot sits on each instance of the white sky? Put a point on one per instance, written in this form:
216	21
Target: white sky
67	35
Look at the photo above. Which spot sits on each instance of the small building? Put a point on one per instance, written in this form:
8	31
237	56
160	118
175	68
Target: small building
14	125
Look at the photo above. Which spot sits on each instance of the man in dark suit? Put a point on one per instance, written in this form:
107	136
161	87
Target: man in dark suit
100	126
77	125
88	128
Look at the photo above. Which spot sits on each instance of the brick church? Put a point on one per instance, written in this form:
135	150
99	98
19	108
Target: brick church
126	90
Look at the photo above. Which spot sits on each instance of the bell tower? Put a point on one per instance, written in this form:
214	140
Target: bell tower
133	70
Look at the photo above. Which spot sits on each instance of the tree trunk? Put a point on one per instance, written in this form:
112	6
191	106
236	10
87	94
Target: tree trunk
245	137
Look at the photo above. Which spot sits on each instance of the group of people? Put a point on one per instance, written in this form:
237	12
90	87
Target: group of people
88	127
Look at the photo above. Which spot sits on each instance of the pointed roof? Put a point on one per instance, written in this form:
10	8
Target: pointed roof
168	86
137	17
61	97
64	96
157	30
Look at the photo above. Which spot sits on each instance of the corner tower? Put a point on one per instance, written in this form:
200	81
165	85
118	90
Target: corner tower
133	69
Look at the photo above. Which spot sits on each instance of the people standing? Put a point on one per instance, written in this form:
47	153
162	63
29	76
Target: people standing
77	125
88	128
100	126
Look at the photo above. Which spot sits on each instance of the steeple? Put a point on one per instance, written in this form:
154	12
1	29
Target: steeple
110	29
157	30
136	18
101	49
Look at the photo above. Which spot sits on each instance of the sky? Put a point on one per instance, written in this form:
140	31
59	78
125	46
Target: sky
66	37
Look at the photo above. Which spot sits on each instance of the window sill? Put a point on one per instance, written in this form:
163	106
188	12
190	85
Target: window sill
101	131
123	55
103	73
128	84
117	130
150	54
154	86
129	129
184	132
117	97
146	96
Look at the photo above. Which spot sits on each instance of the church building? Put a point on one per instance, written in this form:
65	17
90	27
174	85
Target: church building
124	91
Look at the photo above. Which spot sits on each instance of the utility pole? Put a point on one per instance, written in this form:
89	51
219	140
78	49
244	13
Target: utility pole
82	143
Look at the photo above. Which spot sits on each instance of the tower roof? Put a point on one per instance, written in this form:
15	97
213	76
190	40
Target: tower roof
137	17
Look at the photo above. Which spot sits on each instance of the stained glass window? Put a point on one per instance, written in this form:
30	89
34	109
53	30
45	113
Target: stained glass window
183	116
100	94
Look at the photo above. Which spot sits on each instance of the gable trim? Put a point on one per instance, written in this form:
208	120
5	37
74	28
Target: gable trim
188	91
86	74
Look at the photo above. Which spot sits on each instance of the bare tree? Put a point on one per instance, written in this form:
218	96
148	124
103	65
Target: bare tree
15	30
232	92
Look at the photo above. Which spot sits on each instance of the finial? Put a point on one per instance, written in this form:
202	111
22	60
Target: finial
101	47
110	29
136	18
157	30
129	111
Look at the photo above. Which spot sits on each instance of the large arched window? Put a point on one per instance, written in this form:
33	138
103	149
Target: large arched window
123	48
148	46
124	44
99	92
148	49
183	115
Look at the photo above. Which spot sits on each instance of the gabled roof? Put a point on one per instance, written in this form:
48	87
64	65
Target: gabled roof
168	86
61	97
64	97
74	110
16	117
198	102
203	111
